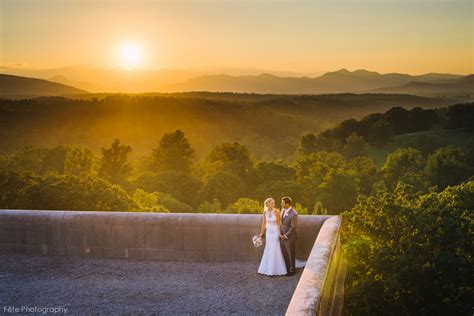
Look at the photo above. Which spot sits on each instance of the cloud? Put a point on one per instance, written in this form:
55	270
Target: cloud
15	65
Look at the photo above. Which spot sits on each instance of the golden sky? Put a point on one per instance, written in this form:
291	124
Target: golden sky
416	36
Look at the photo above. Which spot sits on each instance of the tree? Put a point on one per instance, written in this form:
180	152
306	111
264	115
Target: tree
114	165
272	171
469	150
338	191
305	163
310	143
171	203
366	123
233	158
355	146
224	186
318	209
4	161
148	202
210	207
364	169
54	191
278	189
423	119
426	143
174	153
179	184
246	206
311	170
403	161
410	253
15	189
80	160
379	133
27	158
398	119
447	166
160	202
460	116
346	128
54	159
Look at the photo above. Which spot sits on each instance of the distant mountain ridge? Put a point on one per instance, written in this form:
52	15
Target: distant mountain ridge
176	80
23	86
341	81
440	87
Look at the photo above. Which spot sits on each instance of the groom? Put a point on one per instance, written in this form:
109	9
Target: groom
289	223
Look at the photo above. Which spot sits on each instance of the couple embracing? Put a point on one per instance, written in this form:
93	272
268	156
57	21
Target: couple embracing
279	231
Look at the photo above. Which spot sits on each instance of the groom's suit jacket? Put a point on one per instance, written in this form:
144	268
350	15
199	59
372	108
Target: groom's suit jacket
289	224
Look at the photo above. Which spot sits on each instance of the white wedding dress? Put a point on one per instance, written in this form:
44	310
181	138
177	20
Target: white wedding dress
272	262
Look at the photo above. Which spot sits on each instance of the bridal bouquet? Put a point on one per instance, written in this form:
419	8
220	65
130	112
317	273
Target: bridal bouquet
257	241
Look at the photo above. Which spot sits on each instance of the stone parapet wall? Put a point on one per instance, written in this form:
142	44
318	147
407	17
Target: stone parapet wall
140	235
320	290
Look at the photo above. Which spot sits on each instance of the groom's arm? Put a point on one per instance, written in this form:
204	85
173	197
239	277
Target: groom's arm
293	227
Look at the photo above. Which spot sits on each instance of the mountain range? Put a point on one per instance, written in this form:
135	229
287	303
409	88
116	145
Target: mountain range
443	87
169	80
341	81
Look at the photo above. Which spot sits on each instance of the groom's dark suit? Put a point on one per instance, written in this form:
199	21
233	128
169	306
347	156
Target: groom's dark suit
289	224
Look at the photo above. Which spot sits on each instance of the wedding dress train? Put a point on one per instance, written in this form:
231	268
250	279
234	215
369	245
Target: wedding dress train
272	262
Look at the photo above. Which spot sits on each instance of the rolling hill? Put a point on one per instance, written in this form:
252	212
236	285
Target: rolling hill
444	87
15	86
434	138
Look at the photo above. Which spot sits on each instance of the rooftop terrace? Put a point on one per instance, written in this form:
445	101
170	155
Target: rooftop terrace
171	263
116	286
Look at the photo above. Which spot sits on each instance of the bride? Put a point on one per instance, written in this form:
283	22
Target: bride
272	262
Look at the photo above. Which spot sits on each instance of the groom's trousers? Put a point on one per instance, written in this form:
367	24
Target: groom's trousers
288	247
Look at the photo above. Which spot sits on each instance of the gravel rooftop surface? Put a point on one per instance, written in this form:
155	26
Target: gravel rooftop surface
119	286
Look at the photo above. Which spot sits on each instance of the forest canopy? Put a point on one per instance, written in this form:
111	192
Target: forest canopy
262	123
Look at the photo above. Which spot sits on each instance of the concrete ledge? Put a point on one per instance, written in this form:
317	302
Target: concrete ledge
141	235
321	286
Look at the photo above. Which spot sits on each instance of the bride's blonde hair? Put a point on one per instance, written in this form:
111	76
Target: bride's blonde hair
265	207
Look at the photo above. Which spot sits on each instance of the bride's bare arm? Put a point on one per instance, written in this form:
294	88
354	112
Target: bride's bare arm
264	224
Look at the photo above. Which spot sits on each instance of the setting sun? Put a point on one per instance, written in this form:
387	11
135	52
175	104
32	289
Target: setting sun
130	55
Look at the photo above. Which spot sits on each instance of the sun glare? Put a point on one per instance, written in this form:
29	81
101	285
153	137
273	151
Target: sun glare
130	55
